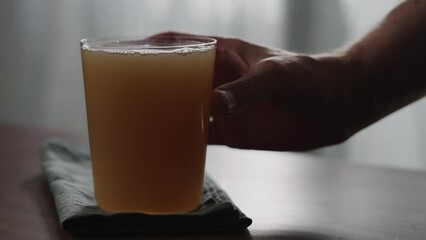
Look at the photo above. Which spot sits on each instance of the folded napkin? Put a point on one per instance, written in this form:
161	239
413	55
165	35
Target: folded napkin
68	170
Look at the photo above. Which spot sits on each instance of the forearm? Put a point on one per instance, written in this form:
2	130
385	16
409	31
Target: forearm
388	66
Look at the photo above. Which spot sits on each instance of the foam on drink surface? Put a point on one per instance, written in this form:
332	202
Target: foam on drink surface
141	48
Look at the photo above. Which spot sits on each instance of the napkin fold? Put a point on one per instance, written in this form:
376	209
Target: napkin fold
68	170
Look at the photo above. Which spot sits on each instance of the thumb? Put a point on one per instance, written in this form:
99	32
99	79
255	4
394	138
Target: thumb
253	87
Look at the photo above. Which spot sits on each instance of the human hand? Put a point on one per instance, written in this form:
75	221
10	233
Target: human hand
275	100
267	98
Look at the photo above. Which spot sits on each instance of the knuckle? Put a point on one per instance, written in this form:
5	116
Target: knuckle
271	64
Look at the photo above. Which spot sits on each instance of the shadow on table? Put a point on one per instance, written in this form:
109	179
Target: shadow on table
295	235
240	235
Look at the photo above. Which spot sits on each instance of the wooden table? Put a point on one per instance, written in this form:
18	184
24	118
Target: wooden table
289	196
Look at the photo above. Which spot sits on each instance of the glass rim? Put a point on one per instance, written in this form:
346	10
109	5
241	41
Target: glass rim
147	44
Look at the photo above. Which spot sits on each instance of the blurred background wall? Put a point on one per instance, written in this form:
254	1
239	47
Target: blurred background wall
40	68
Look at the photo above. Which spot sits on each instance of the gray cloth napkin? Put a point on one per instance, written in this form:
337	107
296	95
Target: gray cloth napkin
68	170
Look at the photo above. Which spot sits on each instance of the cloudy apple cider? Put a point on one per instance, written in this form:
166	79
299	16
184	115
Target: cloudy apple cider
148	108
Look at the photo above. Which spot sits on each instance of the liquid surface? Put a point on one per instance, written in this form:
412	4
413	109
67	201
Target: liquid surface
148	125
